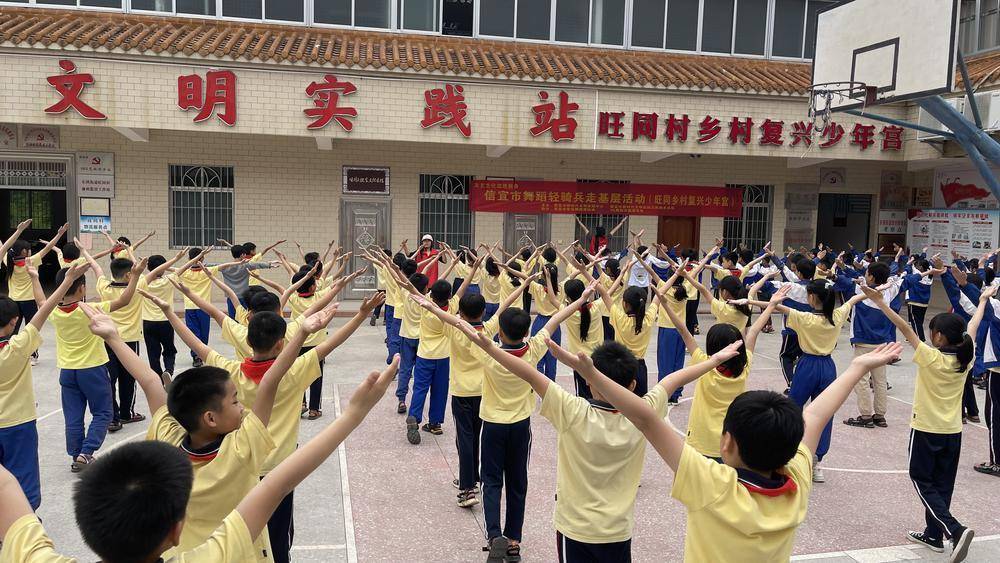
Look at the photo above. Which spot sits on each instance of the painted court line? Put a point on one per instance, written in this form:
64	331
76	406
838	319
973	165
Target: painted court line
43	417
334	547
345	488
890	553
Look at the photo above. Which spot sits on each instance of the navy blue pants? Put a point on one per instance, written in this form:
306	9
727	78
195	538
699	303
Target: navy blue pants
281	529
506	449
813	374
199	322
669	355
19	454
790	352
123	383
468	425
992	408
572	551
392	338
547	364
691	316
27	310
83	389
582	387
642	378
316	387
159	337
609	331
933	466
430	376
407	359
491	309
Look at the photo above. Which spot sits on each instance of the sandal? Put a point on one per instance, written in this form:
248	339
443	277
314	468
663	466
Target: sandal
861	422
313	415
513	553
81	462
987	468
497	549
134	418
880	421
434	429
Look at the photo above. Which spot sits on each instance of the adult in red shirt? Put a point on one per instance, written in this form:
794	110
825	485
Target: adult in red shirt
425	251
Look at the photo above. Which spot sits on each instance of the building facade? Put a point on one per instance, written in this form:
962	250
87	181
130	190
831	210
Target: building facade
370	122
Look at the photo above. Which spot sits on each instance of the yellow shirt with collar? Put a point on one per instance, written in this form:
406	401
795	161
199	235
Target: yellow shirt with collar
506	397
595	334
411	315
434	341
600	459
63	263
937	397
726	313
26	540
298	304
492	288
607	281
624	326
507	287
284	424
199	283
76	346
19	284
677	306
713	394
235	334
221	482
541	300
462	271
465	370
256	258
162	288
17	393
816	335
128	319
727	522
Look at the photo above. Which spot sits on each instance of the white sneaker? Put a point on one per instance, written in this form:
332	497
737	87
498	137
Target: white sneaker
818	476
34	361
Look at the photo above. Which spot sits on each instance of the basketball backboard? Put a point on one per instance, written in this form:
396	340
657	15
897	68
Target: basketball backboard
899	49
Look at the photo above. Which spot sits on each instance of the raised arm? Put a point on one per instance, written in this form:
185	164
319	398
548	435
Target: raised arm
226	290
875	296
162	268
564	313
679	325
217	315
143	240
618	226
343	333
187	265
190	340
126	296
52	242
754	331
984	300
46	307
468	279
272	247
520	368
94	266
7	244
705	293
286	294
516	294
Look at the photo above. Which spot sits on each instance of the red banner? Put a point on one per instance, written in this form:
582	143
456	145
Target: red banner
604	198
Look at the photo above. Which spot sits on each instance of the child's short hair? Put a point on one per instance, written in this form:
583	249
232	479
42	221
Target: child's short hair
732	257
409	267
746	255
766	426
879	273
77	283
419	281
641	249
265	329
975	280
617	362
549	254
249	248
252	292
70	251
309	284
525	254
131	498
806	269
989	274
125	241
193	252
472	306
261	301
515	323
441	292
153	262
491	266
720	336
195	392
310	257
120	267
399	259
8	310
236	250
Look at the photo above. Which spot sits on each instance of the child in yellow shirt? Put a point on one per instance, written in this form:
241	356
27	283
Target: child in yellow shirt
156	330
193	275
17	257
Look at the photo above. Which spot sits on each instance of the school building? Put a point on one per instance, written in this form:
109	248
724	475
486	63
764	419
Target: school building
370	122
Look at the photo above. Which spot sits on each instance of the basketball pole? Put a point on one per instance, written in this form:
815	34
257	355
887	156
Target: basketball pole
977	143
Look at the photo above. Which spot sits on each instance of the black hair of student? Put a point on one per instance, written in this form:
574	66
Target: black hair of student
515	323
549	254
8	310
70	251
720	336
824	292
120	267
195	392
732	257
827	261
310	257
641	249
796	257
472	306
491	267
600	231
582	258
514	280
574	290
525	254
261	301
735	288
805	268
409	267
921	264
973	264
989	274
953	328
310	284
766	426
613	267
616	361
252	292
635	301
265	329
125	241
399	259
193	252
152	263
131	498
879	273
463	256
17	251
77	283
441	292
237	250
419	281
689	254
551	271
746	256
680	292
766	260
249	248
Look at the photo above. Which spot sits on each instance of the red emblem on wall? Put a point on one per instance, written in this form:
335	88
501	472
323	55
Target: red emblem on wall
70	86
955	191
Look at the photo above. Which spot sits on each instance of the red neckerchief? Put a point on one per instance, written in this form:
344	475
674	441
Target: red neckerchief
201	455
726	372
443	307
255	369
306	294
517	352
196	268
4	342
758	484
69	308
735	272
247	257
19	262
117	248
67	261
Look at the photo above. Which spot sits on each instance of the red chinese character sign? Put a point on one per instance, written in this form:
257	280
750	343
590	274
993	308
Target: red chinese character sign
326	97
446	107
70	86
213	95
604	198
555	118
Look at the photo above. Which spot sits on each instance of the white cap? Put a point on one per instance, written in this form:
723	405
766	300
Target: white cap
427	237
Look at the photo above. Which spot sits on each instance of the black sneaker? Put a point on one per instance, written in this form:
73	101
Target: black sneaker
960	545
401	408
673	401
935	545
412	430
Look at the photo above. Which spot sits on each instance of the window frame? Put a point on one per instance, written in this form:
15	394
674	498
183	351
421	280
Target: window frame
430	195
768	205
231	170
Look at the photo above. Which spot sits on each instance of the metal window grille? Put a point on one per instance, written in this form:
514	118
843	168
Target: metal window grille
34	205
753	228
33	174
616	242
201	205
444	209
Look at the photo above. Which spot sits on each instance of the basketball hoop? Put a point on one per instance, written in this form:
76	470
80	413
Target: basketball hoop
823	98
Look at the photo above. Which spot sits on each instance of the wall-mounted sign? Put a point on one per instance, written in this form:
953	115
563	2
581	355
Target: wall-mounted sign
962	188
95	224
8	136
95	206
801	197
833	177
923	197
95	174
892	222
892	193
969	233
37	137
366	181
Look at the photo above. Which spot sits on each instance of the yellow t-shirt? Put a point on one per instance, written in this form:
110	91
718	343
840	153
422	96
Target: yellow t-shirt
727	522
161	288
298	305
816	335
387	282
433	336
624	326
19	284
236	335
411	315
26	540
128	319
937	397
726	313
220	482
199	283
284	424
599	464
713	394
76	346
541	299
677	306
595	334
607	281
465	370
256	258
462	271
506	397
242	314
492	288
17	394
507	287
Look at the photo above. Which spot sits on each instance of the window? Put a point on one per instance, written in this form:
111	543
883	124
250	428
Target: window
753	229
717	26
616	242
648	18
201	205
444	209
285	10
682	25
496	17
789	23
83	3
814	7
196	7
35	205
373	13
751	27
336	12
988	15
458	16
572	21
967	27
419	15
533	19
249	9
607	22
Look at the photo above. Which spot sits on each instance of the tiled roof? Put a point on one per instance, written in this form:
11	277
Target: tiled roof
984	70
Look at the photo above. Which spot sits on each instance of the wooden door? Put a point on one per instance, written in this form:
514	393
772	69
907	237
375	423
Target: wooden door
679	230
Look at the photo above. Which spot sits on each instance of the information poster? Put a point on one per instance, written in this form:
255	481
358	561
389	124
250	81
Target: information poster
969	233
962	188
